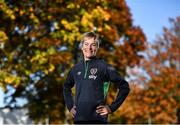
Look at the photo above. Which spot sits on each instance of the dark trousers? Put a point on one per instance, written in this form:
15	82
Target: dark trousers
89	122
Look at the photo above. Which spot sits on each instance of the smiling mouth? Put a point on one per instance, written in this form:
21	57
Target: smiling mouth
87	51
91	52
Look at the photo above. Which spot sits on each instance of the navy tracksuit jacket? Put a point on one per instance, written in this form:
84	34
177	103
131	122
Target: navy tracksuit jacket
89	79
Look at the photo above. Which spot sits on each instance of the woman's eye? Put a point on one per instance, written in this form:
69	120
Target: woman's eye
94	44
85	44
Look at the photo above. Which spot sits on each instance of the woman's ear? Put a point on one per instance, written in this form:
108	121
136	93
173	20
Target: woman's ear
82	47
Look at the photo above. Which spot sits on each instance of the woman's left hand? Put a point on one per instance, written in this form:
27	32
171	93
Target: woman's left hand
103	110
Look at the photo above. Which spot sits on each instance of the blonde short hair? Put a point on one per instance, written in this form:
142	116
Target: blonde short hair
90	35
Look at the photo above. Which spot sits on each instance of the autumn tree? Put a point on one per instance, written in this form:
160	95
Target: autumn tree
39	43
164	69
158	100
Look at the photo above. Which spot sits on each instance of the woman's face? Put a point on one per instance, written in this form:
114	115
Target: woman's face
89	48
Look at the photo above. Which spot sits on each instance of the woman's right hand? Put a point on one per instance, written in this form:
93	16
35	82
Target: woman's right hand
73	111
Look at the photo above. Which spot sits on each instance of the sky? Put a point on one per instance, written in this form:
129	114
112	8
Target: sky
153	15
1	98
150	15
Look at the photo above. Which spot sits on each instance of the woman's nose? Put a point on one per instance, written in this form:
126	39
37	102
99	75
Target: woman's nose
89	47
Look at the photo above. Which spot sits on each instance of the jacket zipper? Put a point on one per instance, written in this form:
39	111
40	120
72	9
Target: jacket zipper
86	69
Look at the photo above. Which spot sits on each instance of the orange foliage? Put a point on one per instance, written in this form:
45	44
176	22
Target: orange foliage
158	100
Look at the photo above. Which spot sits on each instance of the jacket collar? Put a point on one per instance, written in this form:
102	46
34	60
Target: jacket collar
91	59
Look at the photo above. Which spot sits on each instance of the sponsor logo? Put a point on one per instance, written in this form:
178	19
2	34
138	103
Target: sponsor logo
93	72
